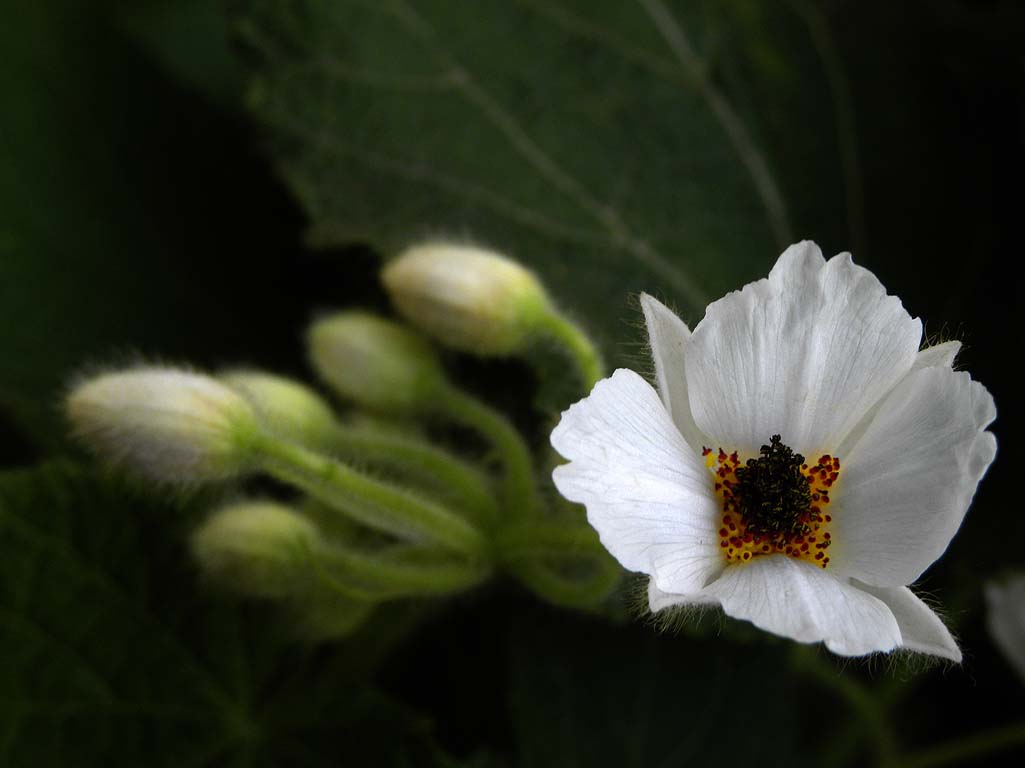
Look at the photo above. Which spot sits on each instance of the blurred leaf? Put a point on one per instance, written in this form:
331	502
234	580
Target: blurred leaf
189	39
587	694
129	218
110	658
616	147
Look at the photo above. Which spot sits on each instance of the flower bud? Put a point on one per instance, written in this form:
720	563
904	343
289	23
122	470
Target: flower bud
328	617
1005	619
376	363
256	548
286	407
467	298
167	424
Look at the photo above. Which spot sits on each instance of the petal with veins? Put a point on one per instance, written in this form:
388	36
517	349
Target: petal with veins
647	493
804	354
909	480
797	600
921	630
668	336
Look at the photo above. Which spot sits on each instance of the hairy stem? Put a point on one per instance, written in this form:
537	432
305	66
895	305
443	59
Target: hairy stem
585	356
519	492
373	503
422	463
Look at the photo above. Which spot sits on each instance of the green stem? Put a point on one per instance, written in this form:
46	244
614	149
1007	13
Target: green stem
400	572
571	591
534	551
874	722
371	502
968	748
519	493
420	461
548	539
580	349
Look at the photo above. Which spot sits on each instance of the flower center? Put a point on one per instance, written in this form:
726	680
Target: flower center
774	504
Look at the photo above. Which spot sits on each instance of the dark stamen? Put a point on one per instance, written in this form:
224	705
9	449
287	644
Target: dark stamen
774	494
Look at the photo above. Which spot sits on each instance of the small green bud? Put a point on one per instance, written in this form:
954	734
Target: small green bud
326	615
256	548
167	424
378	364
286	407
468	298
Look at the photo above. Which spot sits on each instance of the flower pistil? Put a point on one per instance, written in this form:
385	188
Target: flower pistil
776	503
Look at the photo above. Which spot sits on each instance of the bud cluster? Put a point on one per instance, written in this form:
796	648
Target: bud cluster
376	512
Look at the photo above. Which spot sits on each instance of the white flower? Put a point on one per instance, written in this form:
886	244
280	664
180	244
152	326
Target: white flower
1005	618
816	547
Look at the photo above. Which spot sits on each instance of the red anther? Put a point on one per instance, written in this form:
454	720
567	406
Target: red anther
819	556
705	451
723	532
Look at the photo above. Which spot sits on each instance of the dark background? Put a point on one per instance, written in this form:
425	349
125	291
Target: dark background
148	208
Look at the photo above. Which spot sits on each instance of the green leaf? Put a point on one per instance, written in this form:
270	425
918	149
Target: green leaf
616	147
112	656
189	39
130	219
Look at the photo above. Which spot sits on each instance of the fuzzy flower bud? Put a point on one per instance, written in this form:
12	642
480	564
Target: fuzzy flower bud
376	363
468	298
286	407
166	424
256	548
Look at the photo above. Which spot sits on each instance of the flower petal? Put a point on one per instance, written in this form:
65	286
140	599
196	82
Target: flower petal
921	630
647	493
906	485
798	600
804	354
938	354
1005	619
659	600
668	336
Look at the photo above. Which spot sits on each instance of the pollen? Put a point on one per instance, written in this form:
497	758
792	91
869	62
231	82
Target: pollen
775	503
